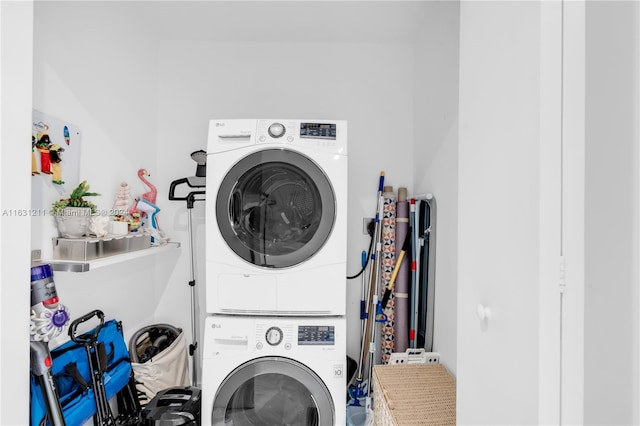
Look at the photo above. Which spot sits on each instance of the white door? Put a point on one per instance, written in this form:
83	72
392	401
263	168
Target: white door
509	215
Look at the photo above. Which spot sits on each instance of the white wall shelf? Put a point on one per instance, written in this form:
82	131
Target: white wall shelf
90	265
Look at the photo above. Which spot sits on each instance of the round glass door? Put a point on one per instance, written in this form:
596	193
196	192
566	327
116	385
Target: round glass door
272	391
275	208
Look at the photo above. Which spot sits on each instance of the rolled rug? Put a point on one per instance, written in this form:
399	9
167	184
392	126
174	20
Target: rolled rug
402	284
386	270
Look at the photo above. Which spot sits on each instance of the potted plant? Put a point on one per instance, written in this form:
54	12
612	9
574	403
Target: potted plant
74	213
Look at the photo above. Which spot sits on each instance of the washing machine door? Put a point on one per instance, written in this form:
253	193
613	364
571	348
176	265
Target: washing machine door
275	208
273	391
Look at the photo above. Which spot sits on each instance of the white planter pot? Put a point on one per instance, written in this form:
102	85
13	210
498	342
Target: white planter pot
119	228
74	222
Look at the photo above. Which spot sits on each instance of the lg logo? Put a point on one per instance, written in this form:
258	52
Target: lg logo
219	124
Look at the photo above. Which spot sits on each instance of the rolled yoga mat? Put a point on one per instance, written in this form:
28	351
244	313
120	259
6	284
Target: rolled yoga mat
401	288
386	270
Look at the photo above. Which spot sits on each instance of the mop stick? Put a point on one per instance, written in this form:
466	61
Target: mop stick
371	343
370	309
365	326
369	314
357	391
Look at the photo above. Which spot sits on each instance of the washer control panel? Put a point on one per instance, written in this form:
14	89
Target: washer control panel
284	335
278	335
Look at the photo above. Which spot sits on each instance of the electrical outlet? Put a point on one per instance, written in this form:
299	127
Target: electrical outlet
366	221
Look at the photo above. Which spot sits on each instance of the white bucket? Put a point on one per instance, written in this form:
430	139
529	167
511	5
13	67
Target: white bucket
358	415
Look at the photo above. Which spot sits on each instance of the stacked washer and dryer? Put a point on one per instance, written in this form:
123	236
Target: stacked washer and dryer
274	348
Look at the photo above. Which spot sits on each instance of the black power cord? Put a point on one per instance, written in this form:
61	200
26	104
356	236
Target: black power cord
370	229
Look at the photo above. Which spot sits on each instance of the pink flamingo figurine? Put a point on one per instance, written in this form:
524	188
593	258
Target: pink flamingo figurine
153	192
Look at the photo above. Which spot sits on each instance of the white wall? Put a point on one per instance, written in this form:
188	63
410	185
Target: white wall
104	81
435	161
16	36
611	222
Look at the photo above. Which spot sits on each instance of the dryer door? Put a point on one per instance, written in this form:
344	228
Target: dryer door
275	208
273	391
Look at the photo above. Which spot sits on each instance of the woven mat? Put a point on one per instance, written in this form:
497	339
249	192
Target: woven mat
414	394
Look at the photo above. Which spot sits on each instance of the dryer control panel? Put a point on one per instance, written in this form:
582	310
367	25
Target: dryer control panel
318	130
325	131
324	135
316	335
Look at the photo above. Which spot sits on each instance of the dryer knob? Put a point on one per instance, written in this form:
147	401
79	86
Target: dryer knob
276	130
274	336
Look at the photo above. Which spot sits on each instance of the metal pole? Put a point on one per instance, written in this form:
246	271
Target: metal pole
193	348
40	357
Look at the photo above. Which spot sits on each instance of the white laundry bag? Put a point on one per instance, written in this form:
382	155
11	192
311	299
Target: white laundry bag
168	366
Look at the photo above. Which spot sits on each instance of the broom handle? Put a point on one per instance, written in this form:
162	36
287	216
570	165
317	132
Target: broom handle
370	320
369	313
372	296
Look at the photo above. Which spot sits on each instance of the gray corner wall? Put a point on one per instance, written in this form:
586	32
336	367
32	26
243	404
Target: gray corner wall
611	218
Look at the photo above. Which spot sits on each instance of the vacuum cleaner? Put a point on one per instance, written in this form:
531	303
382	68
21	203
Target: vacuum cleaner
48	319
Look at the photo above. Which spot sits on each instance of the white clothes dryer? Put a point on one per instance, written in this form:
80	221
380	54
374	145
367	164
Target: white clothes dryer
274	371
276	234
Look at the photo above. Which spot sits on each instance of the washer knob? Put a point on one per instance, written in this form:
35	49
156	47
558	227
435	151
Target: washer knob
276	130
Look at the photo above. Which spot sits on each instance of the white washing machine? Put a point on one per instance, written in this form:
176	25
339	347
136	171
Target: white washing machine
274	371
276	234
